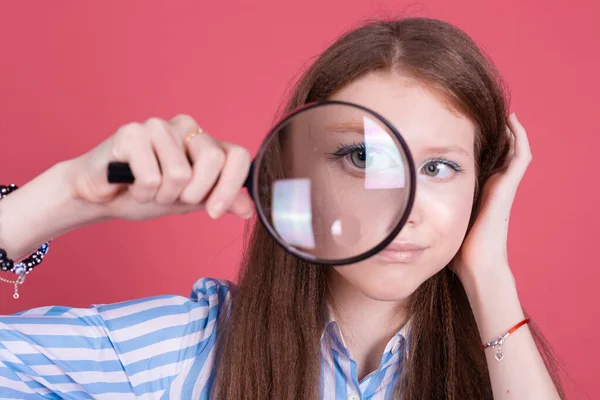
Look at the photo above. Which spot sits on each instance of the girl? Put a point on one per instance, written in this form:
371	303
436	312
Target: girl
409	327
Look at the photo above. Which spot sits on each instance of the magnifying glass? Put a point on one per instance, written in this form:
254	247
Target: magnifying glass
333	182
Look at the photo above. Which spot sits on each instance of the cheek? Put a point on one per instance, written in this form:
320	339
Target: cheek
448	215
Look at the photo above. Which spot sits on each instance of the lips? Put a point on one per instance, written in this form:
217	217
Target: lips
403	246
401	252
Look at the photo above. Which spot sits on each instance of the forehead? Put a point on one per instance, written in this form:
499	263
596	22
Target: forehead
422	115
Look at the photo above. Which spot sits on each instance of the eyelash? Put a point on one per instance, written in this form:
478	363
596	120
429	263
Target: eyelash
343	150
447	162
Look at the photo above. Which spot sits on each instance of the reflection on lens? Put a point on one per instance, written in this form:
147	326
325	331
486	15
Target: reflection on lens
389	172
336	228
333	182
346	231
292	214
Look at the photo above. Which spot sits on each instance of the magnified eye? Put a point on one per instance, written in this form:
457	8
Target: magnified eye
359	157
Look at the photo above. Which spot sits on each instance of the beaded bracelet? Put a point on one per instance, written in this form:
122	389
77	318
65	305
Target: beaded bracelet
26	265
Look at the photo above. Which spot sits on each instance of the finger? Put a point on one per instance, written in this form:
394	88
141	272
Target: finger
208	159
203	152
182	125
511	142
511	150
233	175
133	145
175	168
242	205
522	151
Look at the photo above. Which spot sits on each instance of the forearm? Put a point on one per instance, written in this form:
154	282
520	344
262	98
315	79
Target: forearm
521	374
43	209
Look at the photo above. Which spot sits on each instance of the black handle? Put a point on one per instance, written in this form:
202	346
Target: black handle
120	172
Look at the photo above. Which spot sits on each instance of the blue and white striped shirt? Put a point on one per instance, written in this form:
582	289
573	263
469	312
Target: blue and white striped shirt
160	347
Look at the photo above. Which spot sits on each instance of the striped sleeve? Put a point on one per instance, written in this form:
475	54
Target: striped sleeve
143	348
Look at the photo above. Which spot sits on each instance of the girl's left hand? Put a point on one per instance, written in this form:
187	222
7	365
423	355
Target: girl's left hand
484	249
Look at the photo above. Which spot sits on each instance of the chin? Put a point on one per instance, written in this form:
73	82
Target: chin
383	281
391	282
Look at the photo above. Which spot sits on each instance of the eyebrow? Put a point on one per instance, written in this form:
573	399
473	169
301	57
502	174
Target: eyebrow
356	126
440	150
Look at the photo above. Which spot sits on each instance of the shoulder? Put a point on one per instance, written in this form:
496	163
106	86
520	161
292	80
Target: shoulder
173	313
212	289
167	335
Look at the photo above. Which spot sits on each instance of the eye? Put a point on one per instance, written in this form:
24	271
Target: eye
440	168
373	158
360	159
378	158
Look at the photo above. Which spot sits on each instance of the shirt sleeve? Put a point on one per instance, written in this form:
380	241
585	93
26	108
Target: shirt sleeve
129	350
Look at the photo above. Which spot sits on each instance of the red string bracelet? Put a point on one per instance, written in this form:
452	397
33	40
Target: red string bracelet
500	340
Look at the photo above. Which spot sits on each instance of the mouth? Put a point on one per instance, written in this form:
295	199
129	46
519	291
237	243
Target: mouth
401	252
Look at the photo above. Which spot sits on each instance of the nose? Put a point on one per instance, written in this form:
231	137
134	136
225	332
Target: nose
416	213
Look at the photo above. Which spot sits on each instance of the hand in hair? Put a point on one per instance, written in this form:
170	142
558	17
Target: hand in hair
485	246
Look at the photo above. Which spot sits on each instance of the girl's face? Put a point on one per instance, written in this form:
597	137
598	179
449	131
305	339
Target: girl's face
441	142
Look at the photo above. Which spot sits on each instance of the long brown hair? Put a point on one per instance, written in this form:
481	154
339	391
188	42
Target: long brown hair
269	346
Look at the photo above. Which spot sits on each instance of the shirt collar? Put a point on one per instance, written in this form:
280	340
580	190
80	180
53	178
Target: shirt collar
333	330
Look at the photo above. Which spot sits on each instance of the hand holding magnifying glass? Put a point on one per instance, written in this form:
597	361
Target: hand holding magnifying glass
333	182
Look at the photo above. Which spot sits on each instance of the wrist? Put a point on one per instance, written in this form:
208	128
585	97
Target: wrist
494	300
86	212
43	209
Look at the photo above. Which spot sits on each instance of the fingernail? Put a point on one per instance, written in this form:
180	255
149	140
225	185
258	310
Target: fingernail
216	210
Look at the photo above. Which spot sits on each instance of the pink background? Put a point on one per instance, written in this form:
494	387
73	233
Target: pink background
72	72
